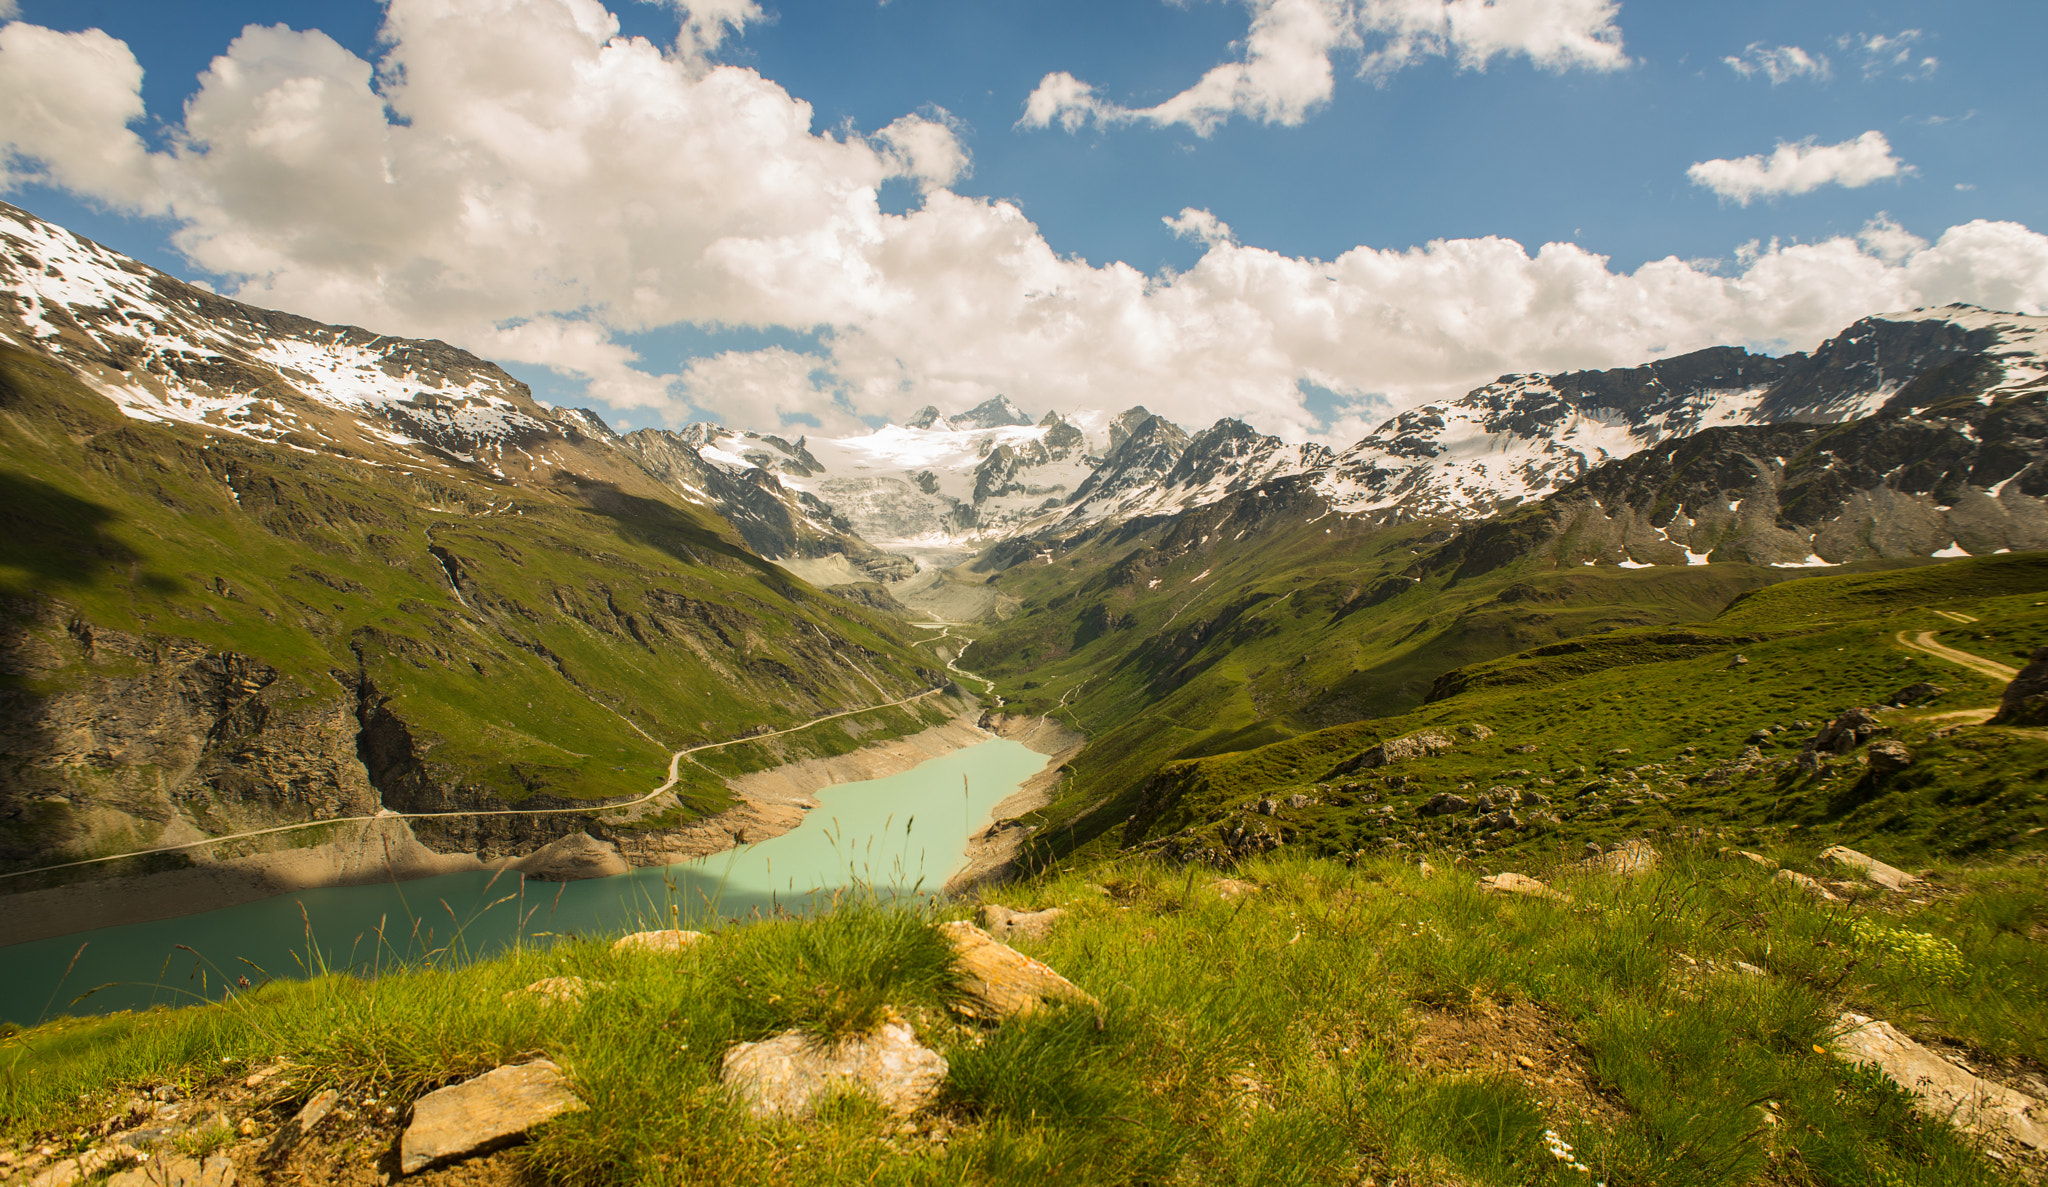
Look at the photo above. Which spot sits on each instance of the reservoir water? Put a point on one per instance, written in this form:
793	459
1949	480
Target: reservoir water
904	834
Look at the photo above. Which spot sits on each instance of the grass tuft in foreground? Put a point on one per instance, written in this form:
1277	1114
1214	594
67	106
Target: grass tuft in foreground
1342	1024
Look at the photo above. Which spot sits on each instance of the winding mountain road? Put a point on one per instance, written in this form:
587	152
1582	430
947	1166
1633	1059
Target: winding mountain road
1976	663
674	772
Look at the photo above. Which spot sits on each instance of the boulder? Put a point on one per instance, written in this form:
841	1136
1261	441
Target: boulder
1754	858
1443	803
1917	692
1475	731
571	858
1000	982
1006	925
672	940
1505	818
1629	857
1847	732
483	1114
786	1075
2026	699
1888	757
1940	1088
1420	744
1510	883
1795	878
1872	869
176	1170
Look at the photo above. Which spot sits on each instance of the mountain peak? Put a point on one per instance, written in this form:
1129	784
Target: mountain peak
992	413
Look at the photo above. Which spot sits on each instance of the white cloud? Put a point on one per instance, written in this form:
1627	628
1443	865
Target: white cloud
538	187
9	9
65	108
1286	71
1780	63
1801	168
1882	53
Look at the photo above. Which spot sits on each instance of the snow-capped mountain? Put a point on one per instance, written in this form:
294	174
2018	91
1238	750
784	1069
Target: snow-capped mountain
938	489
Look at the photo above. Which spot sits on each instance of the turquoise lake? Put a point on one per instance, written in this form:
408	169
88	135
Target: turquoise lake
901	835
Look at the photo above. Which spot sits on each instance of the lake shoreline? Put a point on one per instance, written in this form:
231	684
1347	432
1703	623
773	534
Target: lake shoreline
772	802
992	851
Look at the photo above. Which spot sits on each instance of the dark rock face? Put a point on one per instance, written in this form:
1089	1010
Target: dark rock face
2026	699
992	413
1888	757
1847	732
160	740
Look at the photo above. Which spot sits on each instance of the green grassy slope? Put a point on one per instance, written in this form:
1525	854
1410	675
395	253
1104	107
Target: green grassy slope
1338	1024
1643	731
520	641
1258	618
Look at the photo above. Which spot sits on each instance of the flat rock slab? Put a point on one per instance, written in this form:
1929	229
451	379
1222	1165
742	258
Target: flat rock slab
672	940
1942	1089
476	1116
786	1075
176	1170
1006	925
1810	886
1523	884
1876	871
1001	982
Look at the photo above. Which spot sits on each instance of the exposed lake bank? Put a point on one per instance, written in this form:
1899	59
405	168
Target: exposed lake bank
772	802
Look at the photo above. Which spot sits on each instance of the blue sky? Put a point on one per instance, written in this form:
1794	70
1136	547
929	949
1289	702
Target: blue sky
1471	139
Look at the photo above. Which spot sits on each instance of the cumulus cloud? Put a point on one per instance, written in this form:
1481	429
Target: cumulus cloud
1780	63
1800	168
65	107
1881	53
515	177
1287	70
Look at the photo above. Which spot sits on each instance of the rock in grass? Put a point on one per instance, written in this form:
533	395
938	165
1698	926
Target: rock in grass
1629	857
784	1076
1512	883
1232	887
301	1126
1005	924
1420	744
482	1114
1917	692
1443	803
176	1170
672	940
1748	856
1001	982
1795	878
1888	757
570	858
1940	1088
1871	868
2025	701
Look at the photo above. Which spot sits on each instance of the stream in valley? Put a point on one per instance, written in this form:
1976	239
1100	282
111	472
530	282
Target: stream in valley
900	835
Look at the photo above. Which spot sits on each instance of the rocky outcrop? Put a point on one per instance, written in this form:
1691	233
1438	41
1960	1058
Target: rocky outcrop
785	1075
2025	700
999	982
1939	1088
574	857
144	740
483	1114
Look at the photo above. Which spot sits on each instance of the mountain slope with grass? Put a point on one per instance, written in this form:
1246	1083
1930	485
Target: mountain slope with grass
206	634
